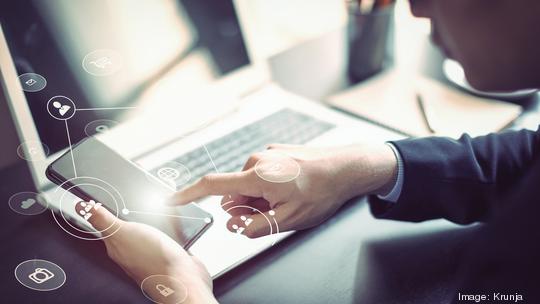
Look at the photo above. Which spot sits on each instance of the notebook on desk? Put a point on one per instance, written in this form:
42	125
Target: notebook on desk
391	100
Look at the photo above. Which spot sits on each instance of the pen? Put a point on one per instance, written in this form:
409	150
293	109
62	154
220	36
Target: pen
422	107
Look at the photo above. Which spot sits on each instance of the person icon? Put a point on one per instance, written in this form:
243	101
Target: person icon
247	221
62	109
85	213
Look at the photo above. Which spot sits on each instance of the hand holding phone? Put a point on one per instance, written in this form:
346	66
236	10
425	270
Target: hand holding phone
96	173
143	251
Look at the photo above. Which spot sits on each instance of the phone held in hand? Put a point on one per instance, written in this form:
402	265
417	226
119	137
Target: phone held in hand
94	172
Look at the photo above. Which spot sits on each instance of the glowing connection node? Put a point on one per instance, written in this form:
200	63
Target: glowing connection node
125	211
272	212
207	220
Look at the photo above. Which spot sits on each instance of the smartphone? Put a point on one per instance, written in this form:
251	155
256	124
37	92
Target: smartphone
93	171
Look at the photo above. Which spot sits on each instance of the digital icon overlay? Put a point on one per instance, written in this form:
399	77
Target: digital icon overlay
246	220
40	275
68	203
87	208
165	289
173	174
102	62
32	82
277	167
61	107
109	190
33	150
168	173
27	203
99	126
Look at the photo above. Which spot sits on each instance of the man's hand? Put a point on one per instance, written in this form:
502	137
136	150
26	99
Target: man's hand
143	251
327	177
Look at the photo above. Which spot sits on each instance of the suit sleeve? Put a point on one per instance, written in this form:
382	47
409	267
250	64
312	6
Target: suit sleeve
459	180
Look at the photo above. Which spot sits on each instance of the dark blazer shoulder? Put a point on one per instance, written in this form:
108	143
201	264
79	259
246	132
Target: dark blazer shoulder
459	179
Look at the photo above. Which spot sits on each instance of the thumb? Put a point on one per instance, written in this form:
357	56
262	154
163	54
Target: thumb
99	217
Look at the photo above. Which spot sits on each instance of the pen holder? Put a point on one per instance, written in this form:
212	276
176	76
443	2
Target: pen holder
371	42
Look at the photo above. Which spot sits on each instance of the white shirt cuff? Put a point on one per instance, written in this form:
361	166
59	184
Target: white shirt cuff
394	194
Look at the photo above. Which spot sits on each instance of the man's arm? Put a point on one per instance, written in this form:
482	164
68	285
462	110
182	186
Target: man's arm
460	180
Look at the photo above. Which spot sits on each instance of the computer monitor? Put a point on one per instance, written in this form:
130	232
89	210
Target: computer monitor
106	54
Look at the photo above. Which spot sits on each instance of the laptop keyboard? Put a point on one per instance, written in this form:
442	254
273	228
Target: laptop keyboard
230	152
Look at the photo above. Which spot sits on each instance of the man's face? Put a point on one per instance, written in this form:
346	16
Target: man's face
496	41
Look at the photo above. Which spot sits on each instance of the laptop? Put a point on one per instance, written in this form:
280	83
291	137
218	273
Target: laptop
159	82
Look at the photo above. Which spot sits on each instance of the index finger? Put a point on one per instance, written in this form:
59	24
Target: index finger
99	217
244	183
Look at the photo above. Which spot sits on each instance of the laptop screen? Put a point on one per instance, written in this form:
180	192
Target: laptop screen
85	63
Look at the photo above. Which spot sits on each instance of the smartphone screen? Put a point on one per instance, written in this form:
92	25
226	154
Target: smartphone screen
93	171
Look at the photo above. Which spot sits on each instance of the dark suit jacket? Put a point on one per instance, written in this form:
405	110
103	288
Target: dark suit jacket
493	179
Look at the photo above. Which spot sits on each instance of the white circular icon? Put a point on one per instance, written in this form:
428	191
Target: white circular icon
66	201
32	82
40	275
173	174
277	167
239	226
99	126
168	173
31	150
90	205
164	289
102	62
61	107
27	203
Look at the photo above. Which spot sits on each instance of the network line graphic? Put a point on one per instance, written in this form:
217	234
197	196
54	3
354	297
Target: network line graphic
69	136
63	108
